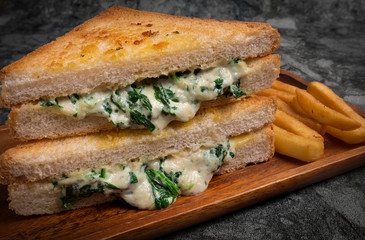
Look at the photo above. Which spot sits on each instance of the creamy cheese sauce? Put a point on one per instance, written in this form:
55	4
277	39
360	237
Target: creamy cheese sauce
148	185
154	103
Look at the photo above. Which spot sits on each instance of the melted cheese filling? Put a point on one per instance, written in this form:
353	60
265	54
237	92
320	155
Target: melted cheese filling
154	103
148	185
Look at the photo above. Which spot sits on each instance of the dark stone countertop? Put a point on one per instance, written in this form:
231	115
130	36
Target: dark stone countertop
320	41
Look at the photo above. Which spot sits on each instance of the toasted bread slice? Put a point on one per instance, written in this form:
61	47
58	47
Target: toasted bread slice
120	46
28	121
49	158
43	198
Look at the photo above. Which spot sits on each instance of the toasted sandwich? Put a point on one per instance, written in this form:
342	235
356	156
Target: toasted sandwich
139	106
130	69
148	171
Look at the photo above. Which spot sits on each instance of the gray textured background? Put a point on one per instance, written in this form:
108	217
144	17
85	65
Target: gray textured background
320	41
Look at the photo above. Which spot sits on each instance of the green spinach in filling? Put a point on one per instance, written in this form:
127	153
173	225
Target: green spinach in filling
166	179
153	103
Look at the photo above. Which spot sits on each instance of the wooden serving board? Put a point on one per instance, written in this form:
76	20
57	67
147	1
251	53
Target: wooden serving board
225	194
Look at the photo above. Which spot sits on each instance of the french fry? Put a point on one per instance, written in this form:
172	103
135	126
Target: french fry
329	98
324	114
283	87
285	96
307	113
293	125
316	126
350	137
294	103
326	96
298	147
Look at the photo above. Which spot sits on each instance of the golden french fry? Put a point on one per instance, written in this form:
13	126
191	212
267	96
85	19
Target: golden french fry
283	87
298	147
285	96
295	104
324	114
329	98
326	96
316	126
351	137
293	125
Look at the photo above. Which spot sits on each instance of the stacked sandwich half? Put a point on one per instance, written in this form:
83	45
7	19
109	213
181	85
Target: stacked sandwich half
136	105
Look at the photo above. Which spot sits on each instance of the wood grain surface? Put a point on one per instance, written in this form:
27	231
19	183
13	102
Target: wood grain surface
226	193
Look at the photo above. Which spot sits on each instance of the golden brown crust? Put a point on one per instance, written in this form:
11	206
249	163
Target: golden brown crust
121	28
120	37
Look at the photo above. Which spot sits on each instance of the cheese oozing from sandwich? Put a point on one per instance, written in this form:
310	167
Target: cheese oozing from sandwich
154	103
146	183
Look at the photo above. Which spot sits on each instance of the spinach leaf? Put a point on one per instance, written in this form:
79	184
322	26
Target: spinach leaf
141	119
164	190
237	93
116	100
88	190
165	96
220	152
109	185
107	107
167	111
203	88
50	103
235	89
135	97
236	61
74	193
132	178
218	85
103	173
74	98
172	175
